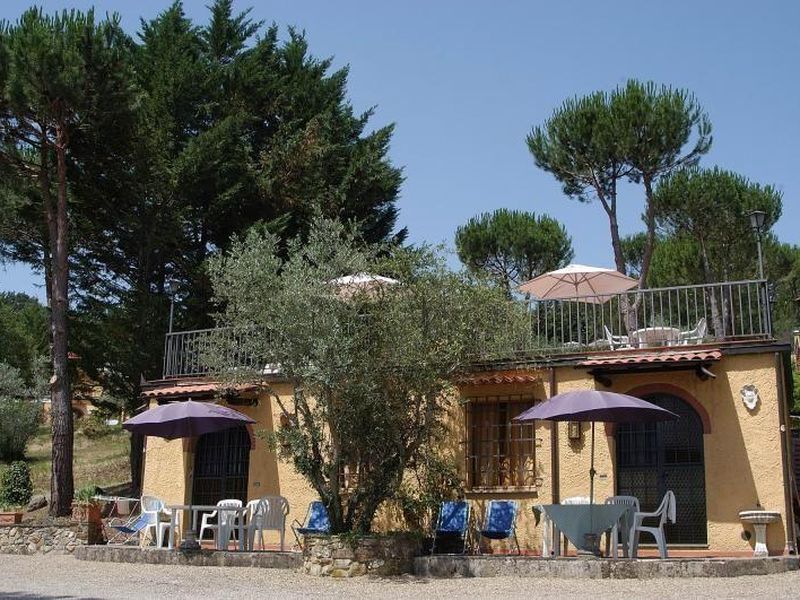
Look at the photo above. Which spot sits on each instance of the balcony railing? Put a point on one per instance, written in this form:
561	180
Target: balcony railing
188	353
672	316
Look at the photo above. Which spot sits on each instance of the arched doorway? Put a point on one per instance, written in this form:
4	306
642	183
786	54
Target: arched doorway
221	465
655	457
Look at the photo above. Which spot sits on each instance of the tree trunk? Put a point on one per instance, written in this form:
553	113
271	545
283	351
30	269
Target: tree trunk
61	480
717	317
629	310
650	222
137	463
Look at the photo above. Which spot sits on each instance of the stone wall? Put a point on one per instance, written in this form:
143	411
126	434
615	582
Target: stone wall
349	556
40	539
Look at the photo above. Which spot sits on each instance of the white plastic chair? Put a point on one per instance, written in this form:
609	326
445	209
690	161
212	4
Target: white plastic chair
267	514
223	528
551	541
665	511
153	509
696	335
612	536
617	342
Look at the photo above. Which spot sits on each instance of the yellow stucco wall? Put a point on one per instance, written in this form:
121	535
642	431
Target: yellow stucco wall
168	465
743	462
742	453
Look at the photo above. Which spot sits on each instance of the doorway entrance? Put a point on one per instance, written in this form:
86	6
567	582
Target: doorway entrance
221	465
655	457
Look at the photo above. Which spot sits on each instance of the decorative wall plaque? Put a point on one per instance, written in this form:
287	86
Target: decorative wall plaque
750	396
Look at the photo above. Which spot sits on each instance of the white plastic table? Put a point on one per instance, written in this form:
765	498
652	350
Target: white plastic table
654	336
195	509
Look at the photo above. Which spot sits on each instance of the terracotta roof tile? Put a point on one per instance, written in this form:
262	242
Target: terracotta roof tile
499	377
667	356
193	389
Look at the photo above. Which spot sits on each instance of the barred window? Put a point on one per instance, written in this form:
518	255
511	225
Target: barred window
499	452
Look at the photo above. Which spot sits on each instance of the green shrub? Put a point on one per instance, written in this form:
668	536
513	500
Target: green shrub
94	426
16	487
19	419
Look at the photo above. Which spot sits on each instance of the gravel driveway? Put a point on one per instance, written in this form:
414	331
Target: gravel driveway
51	577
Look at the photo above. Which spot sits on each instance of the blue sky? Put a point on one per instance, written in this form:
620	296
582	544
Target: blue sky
465	81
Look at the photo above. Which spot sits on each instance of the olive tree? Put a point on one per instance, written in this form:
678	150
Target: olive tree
371	366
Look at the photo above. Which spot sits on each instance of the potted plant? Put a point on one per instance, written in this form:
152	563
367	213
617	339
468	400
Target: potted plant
16	490
85	508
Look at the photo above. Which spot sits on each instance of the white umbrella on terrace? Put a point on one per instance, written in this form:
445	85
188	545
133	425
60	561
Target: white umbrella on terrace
361	282
580	282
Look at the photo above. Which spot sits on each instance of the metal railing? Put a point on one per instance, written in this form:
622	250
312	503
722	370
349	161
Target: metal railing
193	353
671	316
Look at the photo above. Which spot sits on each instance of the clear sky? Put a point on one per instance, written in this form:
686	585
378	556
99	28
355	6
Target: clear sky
464	81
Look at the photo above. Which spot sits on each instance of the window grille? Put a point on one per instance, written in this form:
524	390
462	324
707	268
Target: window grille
499	452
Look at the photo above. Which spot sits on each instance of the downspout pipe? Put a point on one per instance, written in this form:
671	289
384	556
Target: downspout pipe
554	460
781	358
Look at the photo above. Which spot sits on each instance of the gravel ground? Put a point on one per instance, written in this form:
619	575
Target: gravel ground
51	577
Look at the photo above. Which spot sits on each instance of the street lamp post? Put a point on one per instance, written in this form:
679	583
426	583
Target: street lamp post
171	288
758	219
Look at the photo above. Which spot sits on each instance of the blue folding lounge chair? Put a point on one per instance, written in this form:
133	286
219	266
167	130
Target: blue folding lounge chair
501	521
316	522
452	524
131	529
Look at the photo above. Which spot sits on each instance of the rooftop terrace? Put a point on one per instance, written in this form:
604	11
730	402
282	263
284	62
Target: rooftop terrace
681	317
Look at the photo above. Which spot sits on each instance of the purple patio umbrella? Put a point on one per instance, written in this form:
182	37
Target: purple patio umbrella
596	405
185	419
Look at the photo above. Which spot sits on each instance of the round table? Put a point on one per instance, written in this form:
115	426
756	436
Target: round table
655	336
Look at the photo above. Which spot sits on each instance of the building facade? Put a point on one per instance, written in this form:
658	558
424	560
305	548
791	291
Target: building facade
706	353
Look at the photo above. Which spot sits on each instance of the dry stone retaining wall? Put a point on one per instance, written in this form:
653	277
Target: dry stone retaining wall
345	556
40	539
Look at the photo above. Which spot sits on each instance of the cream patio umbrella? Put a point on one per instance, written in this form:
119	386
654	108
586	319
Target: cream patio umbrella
578	282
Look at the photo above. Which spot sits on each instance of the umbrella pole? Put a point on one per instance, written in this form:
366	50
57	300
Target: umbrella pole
591	499
592	471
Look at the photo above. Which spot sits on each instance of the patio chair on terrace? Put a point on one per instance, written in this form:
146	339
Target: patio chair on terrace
452	523
224	527
623	527
696	335
317	522
266	514
617	342
153	509
664	512
501	522
129	532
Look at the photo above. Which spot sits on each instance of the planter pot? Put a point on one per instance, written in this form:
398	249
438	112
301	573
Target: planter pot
10	518
86	513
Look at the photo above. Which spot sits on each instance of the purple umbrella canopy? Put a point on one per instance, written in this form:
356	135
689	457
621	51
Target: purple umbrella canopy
596	405
185	419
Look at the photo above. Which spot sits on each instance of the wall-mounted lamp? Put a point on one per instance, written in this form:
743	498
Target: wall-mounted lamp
574	430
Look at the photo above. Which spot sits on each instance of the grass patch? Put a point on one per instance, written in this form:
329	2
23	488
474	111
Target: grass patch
102	461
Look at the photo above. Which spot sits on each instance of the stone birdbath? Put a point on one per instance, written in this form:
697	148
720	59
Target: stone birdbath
759	519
